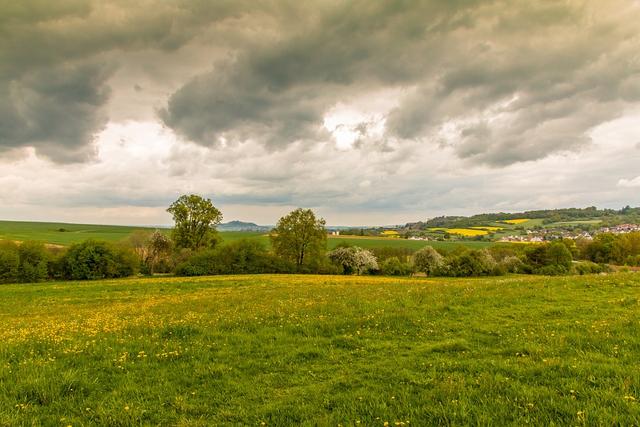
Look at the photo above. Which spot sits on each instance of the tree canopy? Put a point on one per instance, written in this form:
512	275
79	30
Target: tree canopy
195	222
299	236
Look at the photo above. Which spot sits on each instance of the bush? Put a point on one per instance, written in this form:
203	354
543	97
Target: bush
201	263
353	260
394	267
384	253
55	263
471	263
633	261
316	265
246	257
549	259
9	262
32	262
427	260
241	257
93	259
588	267
511	264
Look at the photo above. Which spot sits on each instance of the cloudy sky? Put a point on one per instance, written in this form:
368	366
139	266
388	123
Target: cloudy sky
369	112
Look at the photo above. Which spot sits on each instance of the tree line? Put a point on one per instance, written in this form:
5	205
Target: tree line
298	245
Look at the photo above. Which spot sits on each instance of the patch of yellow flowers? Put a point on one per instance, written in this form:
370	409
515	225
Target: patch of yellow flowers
515	221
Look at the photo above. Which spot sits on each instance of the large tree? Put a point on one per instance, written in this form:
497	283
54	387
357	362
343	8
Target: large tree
195	222
299	236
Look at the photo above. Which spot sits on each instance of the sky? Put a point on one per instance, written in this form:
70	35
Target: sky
368	112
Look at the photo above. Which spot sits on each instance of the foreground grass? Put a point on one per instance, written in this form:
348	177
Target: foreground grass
318	350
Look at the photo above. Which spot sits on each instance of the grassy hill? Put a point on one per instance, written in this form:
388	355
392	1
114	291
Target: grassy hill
322	350
567	216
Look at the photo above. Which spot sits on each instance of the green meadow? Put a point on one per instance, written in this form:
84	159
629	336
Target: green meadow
322	350
67	234
62	233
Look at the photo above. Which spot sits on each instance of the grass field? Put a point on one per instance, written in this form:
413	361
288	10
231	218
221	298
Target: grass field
378	242
322	350
570	223
49	233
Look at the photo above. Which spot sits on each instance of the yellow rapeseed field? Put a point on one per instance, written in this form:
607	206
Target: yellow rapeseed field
488	228
515	221
467	232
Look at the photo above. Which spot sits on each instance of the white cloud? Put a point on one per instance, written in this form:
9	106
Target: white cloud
629	183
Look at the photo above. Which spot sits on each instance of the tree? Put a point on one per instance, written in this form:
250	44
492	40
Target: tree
552	258
9	262
33	262
471	263
427	260
299	236
353	260
195	222
559	255
139	241
158	248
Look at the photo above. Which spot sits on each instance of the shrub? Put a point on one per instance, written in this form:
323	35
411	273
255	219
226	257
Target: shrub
241	257
427	260
511	264
633	261
588	267
32	262
384	253
201	263
9	262
549	259
353	260
471	263
246	257
93	259
394	267
55	263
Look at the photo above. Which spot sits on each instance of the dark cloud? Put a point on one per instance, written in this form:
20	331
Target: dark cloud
497	81
56	59
55	110
236	106
278	89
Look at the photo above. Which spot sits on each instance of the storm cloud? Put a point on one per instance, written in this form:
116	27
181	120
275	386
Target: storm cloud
500	82
411	106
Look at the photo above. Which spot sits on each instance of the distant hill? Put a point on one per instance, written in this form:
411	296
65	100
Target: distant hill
242	226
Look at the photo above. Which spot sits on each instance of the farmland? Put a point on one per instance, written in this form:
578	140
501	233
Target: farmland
322	350
62	233
516	221
66	234
377	242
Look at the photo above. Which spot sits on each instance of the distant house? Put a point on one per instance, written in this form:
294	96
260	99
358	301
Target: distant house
621	229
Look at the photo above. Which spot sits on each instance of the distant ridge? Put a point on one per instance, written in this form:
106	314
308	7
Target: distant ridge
242	226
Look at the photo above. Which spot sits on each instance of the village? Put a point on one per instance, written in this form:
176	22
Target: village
543	235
